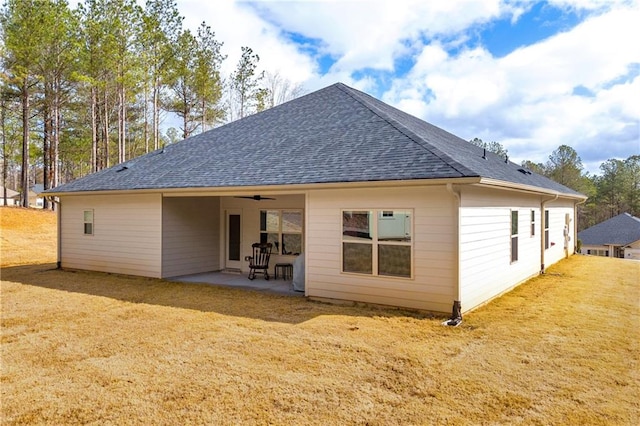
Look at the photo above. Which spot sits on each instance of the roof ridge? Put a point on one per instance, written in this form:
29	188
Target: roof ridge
404	130
632	216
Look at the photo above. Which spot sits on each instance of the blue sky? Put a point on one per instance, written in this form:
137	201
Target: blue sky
530	75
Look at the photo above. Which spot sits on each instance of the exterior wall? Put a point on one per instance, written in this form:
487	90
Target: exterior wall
605	251
434	267
153	236
486	269
250	211
557	212
126	234
632	251
190	235
13	197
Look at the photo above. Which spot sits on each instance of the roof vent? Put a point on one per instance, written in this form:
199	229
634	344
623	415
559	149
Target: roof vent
484	154
524	171
506	159
122	169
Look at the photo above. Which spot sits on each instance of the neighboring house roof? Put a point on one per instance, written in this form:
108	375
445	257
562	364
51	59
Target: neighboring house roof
619	230
38	188
336	134
10	192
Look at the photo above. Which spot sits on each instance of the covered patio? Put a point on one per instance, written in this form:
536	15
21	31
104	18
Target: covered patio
209	232
241	281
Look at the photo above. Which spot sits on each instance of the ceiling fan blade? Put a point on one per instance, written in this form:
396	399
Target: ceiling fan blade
255	197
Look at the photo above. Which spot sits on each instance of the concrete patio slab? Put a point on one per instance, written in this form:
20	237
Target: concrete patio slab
231	279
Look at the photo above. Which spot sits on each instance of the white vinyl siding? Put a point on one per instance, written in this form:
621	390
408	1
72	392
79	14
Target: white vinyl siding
486	270
126	234
190	235
632	251
486	266
434	267
557	212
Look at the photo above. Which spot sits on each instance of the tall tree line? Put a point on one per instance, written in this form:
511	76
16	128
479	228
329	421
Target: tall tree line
614	191
86	88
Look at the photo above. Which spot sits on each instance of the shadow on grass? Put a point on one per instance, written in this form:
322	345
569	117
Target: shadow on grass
202	297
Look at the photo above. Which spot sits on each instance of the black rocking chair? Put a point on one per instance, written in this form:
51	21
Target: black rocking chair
260	260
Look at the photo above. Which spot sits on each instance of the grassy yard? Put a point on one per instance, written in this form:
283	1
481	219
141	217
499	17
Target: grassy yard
80	347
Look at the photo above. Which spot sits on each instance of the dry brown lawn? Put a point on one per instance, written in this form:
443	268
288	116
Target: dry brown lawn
81	347
27	236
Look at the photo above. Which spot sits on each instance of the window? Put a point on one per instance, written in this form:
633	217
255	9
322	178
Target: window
546	229
88	222
283	229
514	236
533	223
377	242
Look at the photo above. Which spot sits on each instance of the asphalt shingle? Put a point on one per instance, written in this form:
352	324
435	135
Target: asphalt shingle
336	134
619	230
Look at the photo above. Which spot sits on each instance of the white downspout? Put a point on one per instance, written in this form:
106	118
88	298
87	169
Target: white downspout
456	314
543	227
58	210
575	224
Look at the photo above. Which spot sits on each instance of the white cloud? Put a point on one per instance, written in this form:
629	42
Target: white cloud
371	34
236	25
525	100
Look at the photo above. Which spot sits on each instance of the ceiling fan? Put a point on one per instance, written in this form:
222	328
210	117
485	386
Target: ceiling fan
256	197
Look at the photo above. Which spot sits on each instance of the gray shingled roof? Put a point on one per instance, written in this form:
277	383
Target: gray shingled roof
619	230
336	134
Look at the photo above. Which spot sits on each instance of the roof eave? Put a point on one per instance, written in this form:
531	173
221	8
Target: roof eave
289	188
518	187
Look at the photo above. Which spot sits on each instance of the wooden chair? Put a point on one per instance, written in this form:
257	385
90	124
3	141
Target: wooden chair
260	259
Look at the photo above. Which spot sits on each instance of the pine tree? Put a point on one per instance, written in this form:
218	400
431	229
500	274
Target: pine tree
23	35
245	83
162	25
60	49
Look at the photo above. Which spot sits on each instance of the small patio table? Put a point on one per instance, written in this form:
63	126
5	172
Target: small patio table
284	269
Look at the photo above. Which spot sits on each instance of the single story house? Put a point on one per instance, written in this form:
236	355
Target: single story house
11	197
385	208
615	237
36	198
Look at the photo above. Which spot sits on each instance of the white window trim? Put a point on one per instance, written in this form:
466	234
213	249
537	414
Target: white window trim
547	232
512	236
375	243
85	222
532	217
280	232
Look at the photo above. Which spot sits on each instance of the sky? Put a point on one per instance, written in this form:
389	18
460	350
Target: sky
530	75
